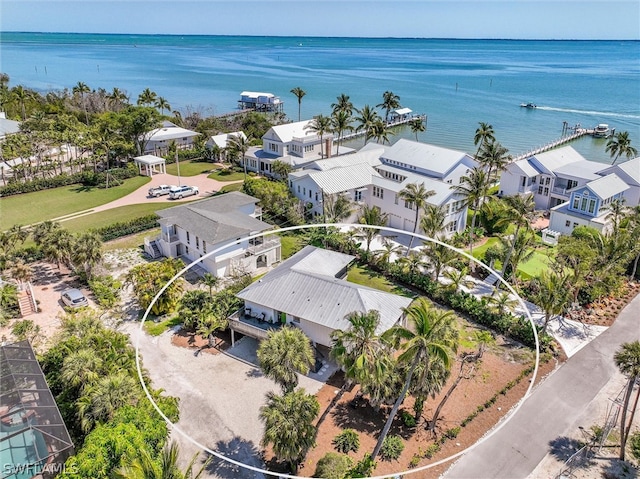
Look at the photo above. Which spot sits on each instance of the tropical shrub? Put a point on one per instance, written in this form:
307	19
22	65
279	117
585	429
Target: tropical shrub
408	419
333	466
347	441
106	289
124	228
392	447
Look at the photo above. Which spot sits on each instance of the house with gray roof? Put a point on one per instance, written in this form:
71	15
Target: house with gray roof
223	224
157	141
309	291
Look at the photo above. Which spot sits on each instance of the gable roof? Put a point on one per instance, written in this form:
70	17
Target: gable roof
554	159
423	155
221	140
287	131
607	186
8	127
630	169
169	131
443	191
297	287
370	156
216	219
337	180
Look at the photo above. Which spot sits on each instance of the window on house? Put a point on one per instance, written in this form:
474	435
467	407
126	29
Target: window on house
567	223
452	226
204	246
546	191
583	204
378	192
408	204
357	195
534	179
395	200
197	242
304	191
547	181
592	205
540	189
309	194
523	181
298	188
188	238
273	147
571	184
575	224
576	202
316	196
186	250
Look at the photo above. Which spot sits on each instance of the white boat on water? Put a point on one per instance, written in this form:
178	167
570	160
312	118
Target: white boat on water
528	105
601	131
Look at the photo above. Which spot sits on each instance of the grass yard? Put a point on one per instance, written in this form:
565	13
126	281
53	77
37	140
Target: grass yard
231	187
131	241
360	275
538	263
290	245
154	328
29	208
226	175
115	215
190	168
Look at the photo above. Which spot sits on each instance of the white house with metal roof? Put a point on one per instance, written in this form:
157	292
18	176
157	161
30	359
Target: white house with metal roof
293	143
309	291
7	127
194	229
160	139
588	205
221	141
629	172
548	176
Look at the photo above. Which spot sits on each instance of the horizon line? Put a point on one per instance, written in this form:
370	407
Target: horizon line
328	36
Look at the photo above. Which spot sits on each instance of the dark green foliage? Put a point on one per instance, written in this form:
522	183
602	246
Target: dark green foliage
408	419
634	444
106	290
364	468
333	466
124	228
453	432
347	441
392	447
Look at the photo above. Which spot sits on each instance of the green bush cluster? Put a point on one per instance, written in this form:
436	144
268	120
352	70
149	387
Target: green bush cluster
392	447
333	466
106	290
347	441
86	178
408	419
125	228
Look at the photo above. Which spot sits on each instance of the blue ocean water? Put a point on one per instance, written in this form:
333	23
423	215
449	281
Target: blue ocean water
456	83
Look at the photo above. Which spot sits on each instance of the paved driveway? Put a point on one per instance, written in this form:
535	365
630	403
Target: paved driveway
552	409
220	397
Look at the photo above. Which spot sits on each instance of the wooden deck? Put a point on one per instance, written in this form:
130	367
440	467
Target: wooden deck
553	144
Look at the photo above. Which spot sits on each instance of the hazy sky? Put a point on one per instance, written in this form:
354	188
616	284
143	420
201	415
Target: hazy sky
539	19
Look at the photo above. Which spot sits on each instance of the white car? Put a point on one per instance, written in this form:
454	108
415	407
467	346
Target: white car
73	298
160	190
178	192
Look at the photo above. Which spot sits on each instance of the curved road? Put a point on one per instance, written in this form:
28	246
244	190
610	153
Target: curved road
516	449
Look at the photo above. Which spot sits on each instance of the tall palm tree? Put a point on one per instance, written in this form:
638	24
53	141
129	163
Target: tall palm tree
118	98
415	195
163	104
81	89
389	249
620	145
627	358
473	188
519	211
366	120
144	466
288	425
521	251
340	122
336	208
320	125
100	401
210	281
87	251
432	221
239	145
484	134
299	94
380	132
494	157
285	353
417	126
552	294
438	257
390	101
431	342
372	216
19	94
343	104
147	97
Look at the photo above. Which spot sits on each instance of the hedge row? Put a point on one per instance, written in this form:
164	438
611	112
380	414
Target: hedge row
86	178
125	228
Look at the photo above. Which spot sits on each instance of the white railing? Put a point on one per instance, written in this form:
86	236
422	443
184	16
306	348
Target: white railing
264	246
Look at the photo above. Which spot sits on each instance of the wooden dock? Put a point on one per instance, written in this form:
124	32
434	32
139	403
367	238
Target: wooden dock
578	133
390	124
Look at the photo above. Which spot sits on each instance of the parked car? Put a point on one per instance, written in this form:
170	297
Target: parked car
160	190
74	298
178	192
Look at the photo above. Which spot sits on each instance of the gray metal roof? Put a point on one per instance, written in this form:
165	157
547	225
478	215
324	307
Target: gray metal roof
442	190
584	169
342	179
554	159
307	293
216	219
422	155
607	186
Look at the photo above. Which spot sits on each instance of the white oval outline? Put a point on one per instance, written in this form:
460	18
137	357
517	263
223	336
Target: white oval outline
503	421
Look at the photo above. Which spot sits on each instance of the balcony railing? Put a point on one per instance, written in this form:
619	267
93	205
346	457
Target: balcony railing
560	190
264	246
169	238
250	326
257	212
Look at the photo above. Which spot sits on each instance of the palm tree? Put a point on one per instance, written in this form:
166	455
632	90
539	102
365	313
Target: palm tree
458	278
366	120
340	122
87	251
430	342
210	281
288	425
473	187
81	367
58	247
144	466
163	104
343	103
239	145
620	145
389	249
417	126
627	359
494	157
80	89
522	250
390	101
379	132
336	208
216	320
118	98
415	196
520	210
21	95
438	257
484	134
100	401
552	294
281	169
285	353
299	93
320	125
372	216
432	221
147	97
502	303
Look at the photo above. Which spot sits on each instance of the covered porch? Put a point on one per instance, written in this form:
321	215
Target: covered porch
149	165
248	323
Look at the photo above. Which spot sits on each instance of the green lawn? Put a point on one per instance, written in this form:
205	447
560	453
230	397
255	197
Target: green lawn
190	168
360	275
154	328
131	241
29	208
226	175
231	187
115	215
291	244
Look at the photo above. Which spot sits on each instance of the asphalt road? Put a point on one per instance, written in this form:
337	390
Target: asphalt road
516	449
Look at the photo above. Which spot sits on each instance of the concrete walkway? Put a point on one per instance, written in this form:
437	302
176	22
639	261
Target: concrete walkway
207	187
554	406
